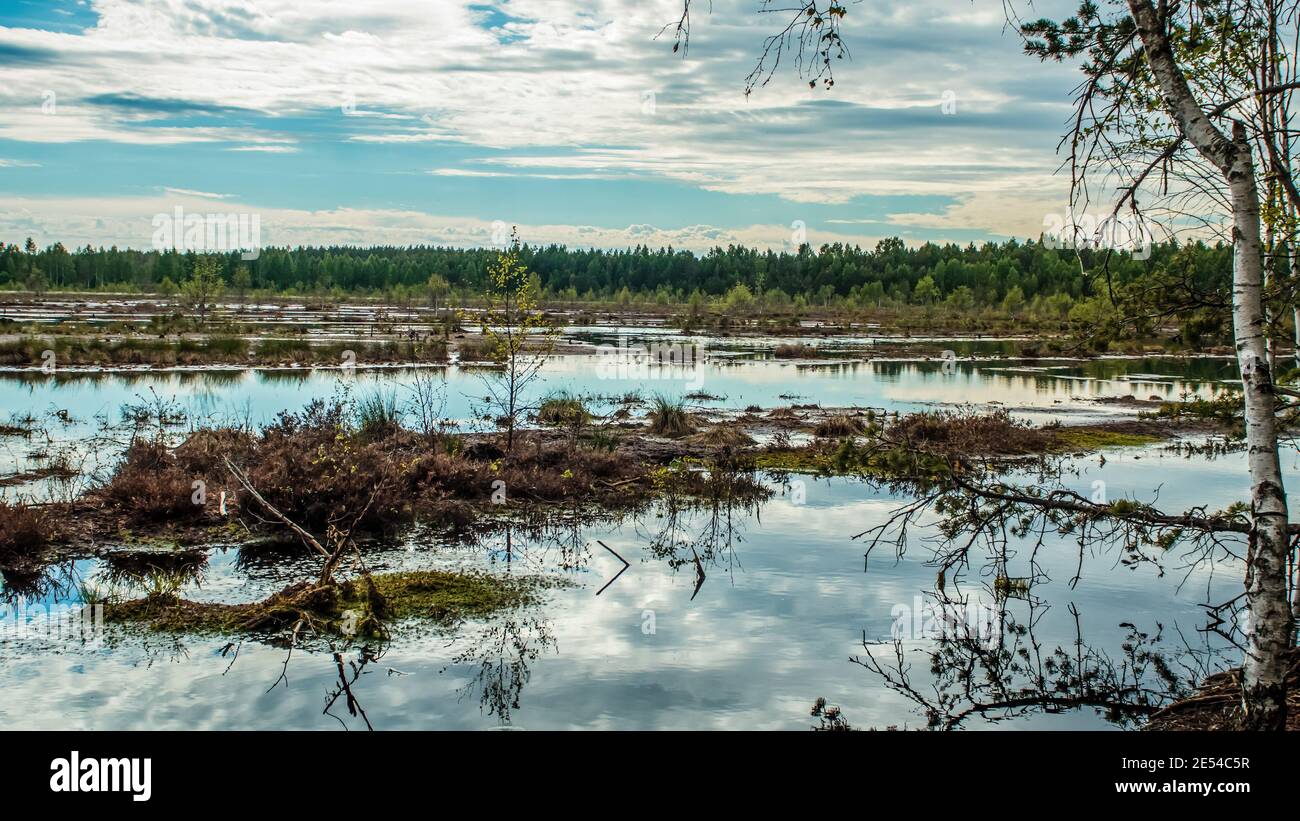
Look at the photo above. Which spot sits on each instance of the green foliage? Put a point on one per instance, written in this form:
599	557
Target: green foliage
926	292
377	415
1225	409
1027	280
888	273
203	286
739	300
242	281
354	607
519	333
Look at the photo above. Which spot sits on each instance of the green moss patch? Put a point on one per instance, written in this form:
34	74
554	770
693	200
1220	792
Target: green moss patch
450	597
797	460
1095	438
356	607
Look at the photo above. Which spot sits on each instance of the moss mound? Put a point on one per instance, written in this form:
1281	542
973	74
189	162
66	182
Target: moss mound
450	597
357	607
1089	438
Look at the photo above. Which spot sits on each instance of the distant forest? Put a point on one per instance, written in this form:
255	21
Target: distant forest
991	274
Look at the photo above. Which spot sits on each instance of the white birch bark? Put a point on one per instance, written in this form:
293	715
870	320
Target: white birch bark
1268	628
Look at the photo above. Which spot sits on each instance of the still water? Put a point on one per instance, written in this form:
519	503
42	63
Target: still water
729	382
785	603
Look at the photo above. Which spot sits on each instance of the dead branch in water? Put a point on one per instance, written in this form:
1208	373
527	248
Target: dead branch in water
339	538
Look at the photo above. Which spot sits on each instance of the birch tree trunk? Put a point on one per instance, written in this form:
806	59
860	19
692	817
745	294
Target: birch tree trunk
1268	611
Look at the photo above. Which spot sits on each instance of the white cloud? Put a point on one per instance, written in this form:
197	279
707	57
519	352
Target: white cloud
267	149
185	192
583	89
465	172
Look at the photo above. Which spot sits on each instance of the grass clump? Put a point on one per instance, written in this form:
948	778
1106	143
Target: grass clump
814	460
229	347
998	434
722	436
992	434
447	597
29	351
377	415
563	410
284	350
669	417
477	349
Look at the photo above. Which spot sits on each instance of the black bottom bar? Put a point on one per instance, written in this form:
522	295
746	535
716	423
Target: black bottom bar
618	771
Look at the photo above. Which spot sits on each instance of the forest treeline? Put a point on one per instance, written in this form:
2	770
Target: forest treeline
1013	276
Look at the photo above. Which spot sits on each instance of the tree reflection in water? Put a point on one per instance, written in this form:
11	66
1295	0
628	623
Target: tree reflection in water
500	655
700	517
1007	673
696	520
973	520
348	674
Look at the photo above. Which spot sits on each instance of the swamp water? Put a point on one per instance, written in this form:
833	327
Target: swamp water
782	609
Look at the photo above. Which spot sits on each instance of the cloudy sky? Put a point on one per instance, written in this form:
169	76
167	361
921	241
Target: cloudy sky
426	121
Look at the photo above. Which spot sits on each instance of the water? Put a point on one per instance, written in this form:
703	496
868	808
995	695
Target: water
737	381
75	404
784	605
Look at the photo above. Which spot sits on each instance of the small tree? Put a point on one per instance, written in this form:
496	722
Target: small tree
29	248
520	336
1014	301
437	288
242	282
926	292
739	300
203	286
36	281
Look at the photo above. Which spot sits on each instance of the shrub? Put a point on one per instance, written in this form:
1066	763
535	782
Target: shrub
969	432
723	436
795	352
149	485
477	349
839	426
23	530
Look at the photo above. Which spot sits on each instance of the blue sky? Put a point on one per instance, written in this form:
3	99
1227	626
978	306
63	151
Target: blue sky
425	121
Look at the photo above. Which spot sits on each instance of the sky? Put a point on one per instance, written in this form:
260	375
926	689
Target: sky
369	122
